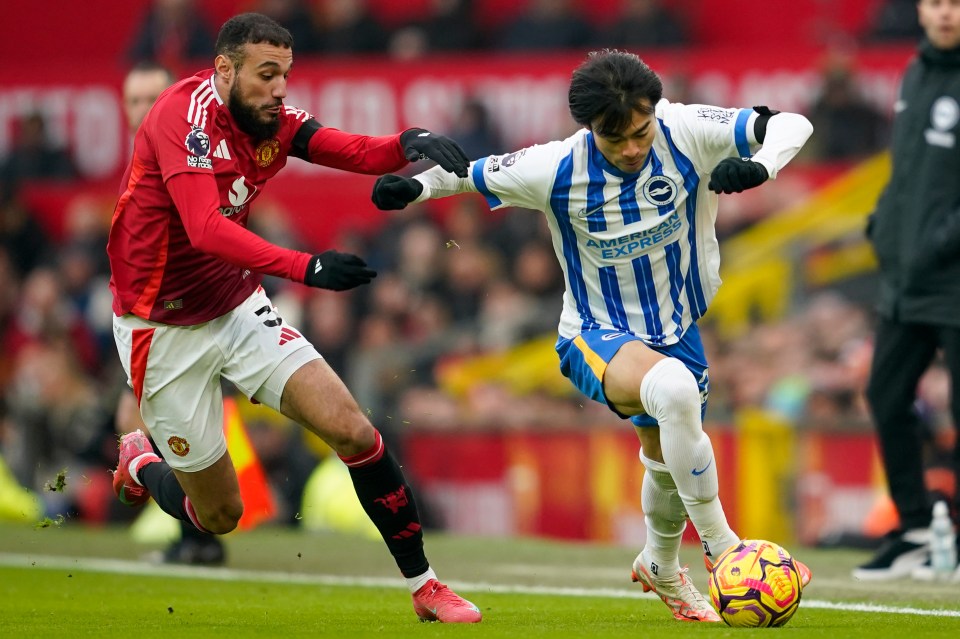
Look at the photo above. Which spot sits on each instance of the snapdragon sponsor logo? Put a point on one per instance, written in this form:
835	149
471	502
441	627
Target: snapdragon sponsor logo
639	241
239	195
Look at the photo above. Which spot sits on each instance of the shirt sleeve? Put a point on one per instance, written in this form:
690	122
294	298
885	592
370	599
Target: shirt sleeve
713	133
522	178
181	146
374	155
195	197
710	133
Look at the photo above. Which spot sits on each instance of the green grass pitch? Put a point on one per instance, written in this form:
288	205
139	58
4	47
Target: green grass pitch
83	582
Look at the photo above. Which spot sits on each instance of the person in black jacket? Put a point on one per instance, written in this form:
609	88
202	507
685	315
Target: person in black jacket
915	232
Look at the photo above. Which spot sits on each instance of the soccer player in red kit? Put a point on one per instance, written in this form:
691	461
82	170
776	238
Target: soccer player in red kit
189	308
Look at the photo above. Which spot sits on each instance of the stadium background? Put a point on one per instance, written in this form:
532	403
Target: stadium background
450	351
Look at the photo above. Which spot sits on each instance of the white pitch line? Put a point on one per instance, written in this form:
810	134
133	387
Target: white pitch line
139	568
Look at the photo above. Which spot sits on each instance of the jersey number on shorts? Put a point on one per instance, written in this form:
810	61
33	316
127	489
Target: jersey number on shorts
269	311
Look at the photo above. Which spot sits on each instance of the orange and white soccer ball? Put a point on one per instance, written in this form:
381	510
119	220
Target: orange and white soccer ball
755	584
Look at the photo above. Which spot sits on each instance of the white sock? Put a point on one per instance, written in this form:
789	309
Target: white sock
670	393
665	517
132	467
416	583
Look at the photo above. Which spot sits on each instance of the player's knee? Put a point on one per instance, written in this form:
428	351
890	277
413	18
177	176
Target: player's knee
353	437
670	388
224	518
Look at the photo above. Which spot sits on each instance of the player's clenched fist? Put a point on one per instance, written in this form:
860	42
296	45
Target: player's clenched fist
734	175
393	192
337	271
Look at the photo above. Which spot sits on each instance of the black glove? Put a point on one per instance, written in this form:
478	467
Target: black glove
337	271
392	192
734	175
419	144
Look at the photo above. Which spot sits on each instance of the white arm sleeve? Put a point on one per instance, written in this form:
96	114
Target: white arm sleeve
438	182
522	178
785	136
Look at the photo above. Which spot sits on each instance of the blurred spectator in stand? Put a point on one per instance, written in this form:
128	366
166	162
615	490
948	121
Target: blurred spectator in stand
346	26
83	266
9	293
848	126
44	315
476	132
34	156
329	324
895	20
449	27
465	224
469	275
21	237
681	89
420	261
141	88
296	17
643	23
540	279
57	425
547	24
173	34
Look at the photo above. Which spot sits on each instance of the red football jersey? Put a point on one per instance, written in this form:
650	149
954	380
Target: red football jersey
190	264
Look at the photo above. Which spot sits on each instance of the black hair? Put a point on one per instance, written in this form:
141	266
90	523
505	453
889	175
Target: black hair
607	88
249	28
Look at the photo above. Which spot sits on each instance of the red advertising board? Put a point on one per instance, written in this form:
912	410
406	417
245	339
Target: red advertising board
526	97
584	484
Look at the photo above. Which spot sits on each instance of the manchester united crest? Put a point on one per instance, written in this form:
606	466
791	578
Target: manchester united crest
267	152
179	446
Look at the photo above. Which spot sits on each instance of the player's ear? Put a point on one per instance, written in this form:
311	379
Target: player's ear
224	67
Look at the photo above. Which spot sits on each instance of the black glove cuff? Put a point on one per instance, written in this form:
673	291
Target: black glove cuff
409	134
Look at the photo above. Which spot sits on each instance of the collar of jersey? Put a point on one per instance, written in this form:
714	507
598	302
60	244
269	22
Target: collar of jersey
213	85
597	157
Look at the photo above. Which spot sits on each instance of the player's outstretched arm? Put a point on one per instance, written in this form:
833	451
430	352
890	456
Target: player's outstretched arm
782	136
196	199
376	154
394	192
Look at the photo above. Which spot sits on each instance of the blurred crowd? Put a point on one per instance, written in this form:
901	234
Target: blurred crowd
455	282
173	31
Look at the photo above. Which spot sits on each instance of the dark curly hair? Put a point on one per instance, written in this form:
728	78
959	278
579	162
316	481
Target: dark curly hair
249	28
607	88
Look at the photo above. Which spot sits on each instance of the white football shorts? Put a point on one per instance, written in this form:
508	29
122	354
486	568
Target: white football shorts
175	373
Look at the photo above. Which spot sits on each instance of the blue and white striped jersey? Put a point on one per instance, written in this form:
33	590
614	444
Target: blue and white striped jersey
639	251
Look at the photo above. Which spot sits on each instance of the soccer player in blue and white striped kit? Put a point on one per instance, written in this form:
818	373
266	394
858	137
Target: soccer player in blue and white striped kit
631	202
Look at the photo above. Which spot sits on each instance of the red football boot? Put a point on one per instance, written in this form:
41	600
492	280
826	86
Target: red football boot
133	447
436	602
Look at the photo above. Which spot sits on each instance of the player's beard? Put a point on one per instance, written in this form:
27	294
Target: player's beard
250	118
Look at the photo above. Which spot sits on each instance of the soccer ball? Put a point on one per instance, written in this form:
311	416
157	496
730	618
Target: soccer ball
755	584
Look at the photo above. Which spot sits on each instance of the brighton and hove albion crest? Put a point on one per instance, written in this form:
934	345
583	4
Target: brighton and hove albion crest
267	152
659	190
